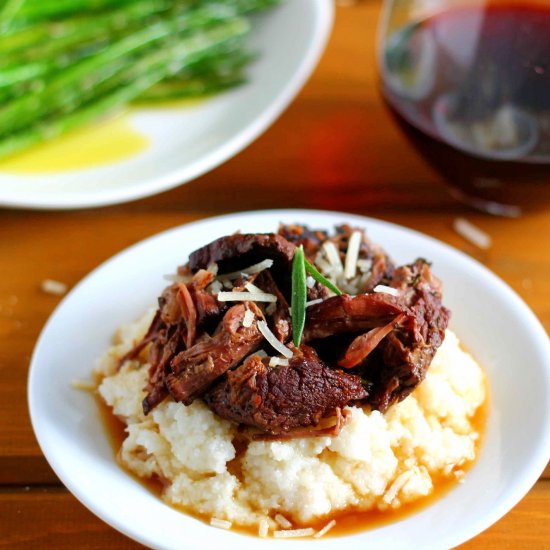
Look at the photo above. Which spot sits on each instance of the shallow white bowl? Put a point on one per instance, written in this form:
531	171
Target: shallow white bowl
188	142
493	322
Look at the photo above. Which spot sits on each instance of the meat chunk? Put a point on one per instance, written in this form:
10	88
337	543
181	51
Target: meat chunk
364	344
310	239
239	251
345	313
409	349
195	369
279	399
396	336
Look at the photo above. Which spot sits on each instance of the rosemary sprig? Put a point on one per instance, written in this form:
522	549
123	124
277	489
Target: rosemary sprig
299	295
299	291
310	268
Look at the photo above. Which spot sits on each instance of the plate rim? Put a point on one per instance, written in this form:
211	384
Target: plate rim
323	11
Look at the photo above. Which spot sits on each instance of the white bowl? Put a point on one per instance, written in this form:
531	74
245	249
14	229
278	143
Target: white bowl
188	142
492	321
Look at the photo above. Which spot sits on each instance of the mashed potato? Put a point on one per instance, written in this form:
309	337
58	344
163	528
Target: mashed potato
377	462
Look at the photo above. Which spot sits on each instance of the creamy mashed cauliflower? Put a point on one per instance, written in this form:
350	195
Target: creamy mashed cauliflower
378	461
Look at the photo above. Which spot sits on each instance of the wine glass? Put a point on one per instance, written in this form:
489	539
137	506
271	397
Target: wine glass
469	83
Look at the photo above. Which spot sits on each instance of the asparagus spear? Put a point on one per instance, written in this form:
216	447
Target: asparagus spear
212	73
164	63
78	81
32	12
195	87
117	50
70	44
8	13
42	10
46	39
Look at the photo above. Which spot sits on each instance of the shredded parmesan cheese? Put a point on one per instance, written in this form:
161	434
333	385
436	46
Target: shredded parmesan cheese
313	302
248	318
270	337
283	522
246	297
365	265
471	233
323	266
278	362
215	287
386	290
253	288
325	529
333	256
220	523
397	485
213	268
352	255
294	533
49	286
263	528
310	281
256	268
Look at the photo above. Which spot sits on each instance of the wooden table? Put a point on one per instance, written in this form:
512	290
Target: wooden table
335	147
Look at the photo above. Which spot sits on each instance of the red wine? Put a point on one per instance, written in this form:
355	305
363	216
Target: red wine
471	87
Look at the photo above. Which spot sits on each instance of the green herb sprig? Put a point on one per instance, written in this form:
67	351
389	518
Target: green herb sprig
310	268
299	295
299	291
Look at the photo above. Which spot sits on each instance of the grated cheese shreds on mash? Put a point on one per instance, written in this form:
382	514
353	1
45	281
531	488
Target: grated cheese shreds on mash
378	461
325	529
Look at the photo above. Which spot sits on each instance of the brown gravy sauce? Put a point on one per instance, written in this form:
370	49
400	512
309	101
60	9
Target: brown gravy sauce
348	521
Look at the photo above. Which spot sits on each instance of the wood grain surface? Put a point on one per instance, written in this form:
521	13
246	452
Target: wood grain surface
336	147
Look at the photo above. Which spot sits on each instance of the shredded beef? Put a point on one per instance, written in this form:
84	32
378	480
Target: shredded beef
409	349
192	371
279	320
402	332
385	342
349	314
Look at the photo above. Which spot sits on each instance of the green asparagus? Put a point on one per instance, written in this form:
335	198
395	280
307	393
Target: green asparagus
64	63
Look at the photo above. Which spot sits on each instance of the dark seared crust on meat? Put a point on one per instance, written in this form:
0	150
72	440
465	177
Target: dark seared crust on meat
279	399
239	251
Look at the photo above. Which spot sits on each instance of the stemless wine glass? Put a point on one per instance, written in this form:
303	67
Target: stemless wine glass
469	83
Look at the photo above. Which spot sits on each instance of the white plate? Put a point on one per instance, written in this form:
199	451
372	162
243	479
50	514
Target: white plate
188	142
488	316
